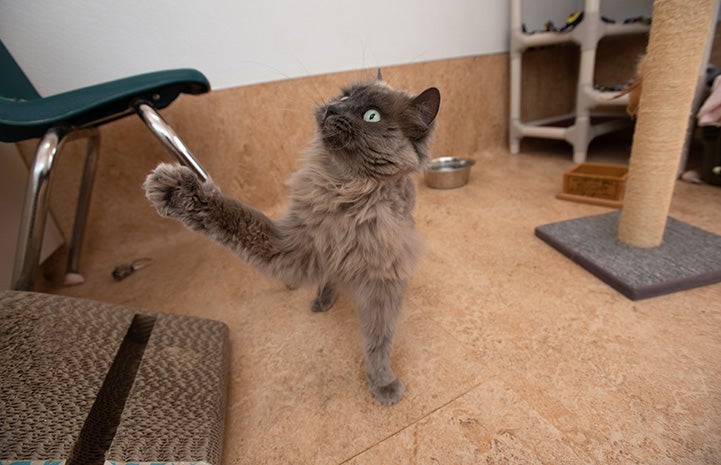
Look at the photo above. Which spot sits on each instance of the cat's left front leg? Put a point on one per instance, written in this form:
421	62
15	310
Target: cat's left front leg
379	304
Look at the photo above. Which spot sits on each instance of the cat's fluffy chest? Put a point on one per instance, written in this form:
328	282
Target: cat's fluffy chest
359	226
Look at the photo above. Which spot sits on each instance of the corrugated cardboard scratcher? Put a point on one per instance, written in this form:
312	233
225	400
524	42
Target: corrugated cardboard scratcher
84	382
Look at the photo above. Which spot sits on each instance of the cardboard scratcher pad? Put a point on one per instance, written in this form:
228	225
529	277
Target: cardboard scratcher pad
688	257
84	382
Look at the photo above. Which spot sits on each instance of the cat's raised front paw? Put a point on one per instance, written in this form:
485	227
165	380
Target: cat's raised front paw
389	394
173	190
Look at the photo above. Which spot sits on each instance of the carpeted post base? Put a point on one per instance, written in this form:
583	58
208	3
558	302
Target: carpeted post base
688	257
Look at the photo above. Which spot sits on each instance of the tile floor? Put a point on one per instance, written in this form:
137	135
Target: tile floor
511	353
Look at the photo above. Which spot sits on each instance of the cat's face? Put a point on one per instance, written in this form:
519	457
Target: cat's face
377	131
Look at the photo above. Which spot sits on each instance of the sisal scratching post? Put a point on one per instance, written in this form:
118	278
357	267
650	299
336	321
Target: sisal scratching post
675	57
641	252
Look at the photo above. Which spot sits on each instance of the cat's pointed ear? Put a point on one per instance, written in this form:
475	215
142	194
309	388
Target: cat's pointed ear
379	76
421	113
427	104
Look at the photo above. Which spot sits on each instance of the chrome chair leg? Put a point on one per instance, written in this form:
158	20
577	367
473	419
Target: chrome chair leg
35	209
81	211
168	137
32	221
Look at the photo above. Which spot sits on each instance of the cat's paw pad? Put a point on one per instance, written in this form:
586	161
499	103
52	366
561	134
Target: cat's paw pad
389	394
172	189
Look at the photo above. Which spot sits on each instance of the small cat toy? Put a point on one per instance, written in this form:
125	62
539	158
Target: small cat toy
348	225
124	270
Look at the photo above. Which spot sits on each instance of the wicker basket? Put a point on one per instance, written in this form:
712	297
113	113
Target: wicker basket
595	183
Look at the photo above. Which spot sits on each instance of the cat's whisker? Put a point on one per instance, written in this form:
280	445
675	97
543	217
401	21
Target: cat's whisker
314	86
296	110
312	96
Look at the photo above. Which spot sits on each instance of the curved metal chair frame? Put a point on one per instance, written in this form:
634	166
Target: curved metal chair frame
57	119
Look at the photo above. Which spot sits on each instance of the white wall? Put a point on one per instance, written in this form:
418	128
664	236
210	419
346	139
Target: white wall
66	44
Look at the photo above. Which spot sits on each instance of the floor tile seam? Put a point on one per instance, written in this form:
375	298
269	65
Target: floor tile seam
564	437
499	374
468	348
416	421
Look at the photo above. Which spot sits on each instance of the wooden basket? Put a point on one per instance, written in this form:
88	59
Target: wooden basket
595	183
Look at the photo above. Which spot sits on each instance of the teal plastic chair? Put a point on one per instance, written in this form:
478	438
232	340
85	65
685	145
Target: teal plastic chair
24	114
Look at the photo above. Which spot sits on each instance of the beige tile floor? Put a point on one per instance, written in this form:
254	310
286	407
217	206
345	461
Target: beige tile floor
510	352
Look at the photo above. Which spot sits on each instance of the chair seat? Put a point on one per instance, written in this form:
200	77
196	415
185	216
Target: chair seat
26	119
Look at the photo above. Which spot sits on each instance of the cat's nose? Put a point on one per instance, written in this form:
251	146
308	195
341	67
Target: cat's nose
330	110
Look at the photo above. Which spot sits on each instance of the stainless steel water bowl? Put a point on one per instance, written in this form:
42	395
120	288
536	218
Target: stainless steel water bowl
448	172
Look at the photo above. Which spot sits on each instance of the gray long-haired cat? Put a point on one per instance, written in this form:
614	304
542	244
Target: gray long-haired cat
349	220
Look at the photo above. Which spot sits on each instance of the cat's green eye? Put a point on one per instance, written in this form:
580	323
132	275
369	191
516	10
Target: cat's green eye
372	116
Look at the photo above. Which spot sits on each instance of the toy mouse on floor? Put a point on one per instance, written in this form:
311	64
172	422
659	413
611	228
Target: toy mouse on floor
348	225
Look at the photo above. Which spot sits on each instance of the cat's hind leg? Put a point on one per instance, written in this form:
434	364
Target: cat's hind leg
324	299
379	305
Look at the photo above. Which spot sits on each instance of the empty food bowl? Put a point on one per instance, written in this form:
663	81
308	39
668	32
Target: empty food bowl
448	172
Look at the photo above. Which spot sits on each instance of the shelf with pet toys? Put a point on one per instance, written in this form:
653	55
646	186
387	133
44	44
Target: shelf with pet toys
584	28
